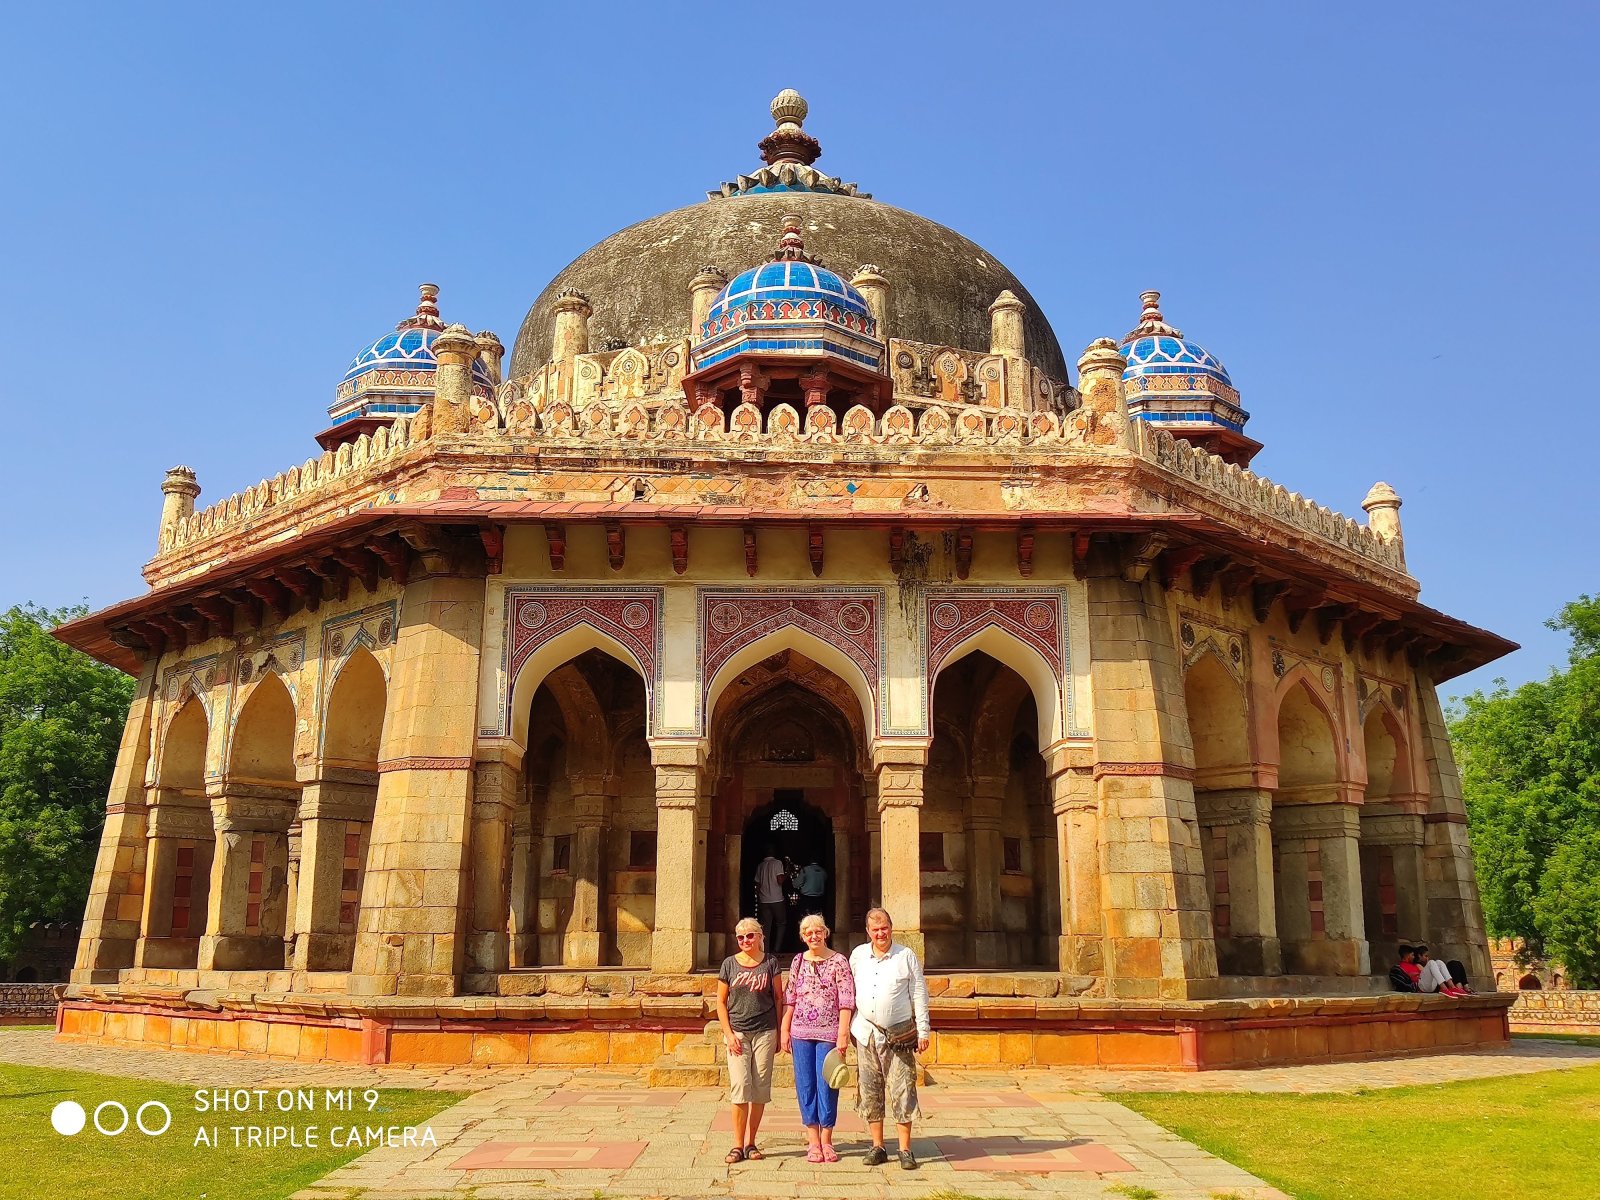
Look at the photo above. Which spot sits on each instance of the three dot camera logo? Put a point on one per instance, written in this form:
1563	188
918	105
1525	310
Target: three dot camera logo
111	1118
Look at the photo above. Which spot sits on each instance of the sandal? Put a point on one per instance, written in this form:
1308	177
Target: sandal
829	1154
753	1153
736	1155
815	1155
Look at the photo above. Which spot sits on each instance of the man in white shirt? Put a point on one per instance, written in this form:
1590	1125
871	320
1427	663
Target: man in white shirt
772	907
890	992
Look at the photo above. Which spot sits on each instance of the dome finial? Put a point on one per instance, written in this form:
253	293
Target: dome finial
788	142
1151	322
792	245
427	314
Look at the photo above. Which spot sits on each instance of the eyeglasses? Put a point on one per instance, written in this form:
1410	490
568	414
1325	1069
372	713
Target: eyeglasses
747	937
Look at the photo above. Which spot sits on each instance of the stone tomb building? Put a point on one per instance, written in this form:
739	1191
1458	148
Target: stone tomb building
787	526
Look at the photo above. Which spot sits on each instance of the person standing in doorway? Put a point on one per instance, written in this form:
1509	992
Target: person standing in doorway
772	904
813	882
891	1027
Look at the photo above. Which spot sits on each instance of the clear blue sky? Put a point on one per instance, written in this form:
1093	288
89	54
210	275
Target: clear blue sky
1381	217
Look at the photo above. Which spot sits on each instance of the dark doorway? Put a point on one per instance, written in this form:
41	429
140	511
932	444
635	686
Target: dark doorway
798	833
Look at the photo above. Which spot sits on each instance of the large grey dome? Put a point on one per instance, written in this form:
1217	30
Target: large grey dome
638	279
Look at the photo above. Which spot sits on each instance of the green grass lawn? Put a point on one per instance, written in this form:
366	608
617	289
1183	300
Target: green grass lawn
1580	1039
1480	1140
36	1162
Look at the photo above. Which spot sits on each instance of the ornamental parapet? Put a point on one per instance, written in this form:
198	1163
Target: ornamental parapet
354	476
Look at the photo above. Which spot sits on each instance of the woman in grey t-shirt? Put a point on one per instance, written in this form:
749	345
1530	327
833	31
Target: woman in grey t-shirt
750	1009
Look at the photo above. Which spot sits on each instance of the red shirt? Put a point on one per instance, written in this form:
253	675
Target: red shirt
1411	969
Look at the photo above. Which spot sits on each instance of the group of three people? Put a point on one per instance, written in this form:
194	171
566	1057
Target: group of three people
878	997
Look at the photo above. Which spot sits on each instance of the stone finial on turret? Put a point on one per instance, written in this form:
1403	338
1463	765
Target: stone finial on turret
703	289
491	352
427	314
1006	335
788	142
1105	406
874	289
573	310
178	493
455	349
1383	516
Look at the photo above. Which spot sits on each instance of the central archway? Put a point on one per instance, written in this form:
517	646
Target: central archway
788	766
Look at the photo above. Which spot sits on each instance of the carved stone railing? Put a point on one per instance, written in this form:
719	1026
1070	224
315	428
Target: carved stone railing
1249	491
313	475
1006	431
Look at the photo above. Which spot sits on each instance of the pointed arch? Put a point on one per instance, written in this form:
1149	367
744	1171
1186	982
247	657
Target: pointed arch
1308	748
802	641
262	746
555	653
997	711
1219	726
183	747
1388	757
352	726
1011	651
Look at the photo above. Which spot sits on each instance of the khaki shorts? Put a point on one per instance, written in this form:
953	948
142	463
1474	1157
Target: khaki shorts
750	1073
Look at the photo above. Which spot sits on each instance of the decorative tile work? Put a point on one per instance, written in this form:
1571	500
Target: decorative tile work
630	616
848	619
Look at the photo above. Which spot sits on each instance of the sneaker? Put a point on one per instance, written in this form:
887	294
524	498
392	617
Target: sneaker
876	1157
908	1161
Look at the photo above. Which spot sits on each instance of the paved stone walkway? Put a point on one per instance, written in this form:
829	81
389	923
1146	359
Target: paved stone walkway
565	1134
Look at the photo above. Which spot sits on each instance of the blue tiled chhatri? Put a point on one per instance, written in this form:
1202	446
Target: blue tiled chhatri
1171	380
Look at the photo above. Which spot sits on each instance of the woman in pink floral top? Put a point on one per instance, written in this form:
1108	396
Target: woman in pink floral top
816	1019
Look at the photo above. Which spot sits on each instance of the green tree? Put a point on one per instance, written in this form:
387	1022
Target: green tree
61	717
1530	769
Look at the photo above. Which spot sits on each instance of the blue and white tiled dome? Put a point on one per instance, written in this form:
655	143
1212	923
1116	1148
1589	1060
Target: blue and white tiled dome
394	375
1173	381
788	291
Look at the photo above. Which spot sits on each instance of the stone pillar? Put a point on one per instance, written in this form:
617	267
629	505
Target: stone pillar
900	834
172	822
874	289
1158	938
497	782
1450	881
581	945
247	911
178	493
491	352
985	856
703	289
571	338
291	893
680	941
1244	908
1383	516
452	380
1077	812
1392	876
116	892
1320	923
413	902
1104	407
841	887
336	804
526	845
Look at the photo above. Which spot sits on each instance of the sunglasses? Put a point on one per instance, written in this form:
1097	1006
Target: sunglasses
747	937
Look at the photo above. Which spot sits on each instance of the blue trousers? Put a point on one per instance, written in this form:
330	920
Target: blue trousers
819	1103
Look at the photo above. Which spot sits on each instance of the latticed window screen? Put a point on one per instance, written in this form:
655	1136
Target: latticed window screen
784	821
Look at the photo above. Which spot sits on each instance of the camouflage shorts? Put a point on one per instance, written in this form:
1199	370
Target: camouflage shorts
880	1069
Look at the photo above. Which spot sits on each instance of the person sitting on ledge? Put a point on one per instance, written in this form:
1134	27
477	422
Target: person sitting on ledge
1404	974
1435	975
1458	975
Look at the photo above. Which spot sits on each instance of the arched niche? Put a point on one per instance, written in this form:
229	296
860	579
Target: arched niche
183	749
561	649
1308	755
1006	648
263	738
1219	724
353	728
1388	763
